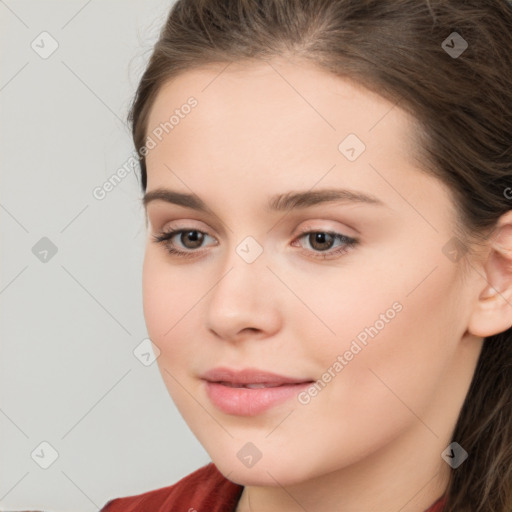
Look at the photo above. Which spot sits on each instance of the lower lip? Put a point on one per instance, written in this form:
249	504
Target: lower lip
250	402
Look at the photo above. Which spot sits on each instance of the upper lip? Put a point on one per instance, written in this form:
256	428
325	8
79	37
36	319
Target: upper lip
249	376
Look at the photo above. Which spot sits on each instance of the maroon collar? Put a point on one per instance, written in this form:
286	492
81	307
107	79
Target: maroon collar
438	505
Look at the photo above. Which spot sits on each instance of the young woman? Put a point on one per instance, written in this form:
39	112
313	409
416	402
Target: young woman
328	272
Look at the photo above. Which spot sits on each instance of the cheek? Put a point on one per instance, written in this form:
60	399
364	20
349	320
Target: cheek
390	380
156	299
166	300
394	326
167	304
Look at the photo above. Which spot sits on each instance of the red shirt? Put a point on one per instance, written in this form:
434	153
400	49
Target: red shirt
204	490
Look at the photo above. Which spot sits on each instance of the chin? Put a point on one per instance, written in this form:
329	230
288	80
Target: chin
266	473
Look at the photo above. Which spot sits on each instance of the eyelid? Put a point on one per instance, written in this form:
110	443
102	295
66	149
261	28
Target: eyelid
169	233
348	243
307	228
159	214
312	227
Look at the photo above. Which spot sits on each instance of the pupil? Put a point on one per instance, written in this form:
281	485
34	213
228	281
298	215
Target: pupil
194	236
320	238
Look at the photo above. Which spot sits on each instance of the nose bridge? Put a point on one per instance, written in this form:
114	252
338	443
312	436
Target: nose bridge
240	297
241	273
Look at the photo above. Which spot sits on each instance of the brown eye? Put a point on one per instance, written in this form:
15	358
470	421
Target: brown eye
320	241
195	238
322	244
182	242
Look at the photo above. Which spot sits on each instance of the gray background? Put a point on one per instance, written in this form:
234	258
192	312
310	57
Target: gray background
70	321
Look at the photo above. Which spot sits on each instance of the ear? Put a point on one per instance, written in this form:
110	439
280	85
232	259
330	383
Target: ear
492	311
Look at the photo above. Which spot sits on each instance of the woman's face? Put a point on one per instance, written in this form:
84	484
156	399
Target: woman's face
378	323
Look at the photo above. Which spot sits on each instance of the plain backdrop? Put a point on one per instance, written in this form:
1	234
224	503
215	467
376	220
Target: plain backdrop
74	396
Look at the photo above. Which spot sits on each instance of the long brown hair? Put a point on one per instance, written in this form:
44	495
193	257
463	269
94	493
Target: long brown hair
462	99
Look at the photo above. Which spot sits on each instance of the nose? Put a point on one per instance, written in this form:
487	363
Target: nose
244	301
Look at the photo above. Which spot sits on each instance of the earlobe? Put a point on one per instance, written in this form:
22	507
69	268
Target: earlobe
492	312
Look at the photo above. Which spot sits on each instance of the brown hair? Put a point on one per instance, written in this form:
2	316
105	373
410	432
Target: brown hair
463	105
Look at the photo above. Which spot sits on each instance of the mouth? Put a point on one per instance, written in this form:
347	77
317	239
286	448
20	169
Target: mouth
258	385
250	392
249	377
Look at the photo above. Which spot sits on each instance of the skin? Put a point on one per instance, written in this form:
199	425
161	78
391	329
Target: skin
371	439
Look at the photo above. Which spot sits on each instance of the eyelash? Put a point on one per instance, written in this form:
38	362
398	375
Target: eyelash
349	242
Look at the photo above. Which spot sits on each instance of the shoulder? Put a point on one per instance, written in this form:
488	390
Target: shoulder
204	489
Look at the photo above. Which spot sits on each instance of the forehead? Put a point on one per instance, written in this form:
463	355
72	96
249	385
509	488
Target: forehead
273	127
280	106
272	89
281	122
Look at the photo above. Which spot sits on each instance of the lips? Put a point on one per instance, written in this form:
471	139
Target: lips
250	378
251	386
250	392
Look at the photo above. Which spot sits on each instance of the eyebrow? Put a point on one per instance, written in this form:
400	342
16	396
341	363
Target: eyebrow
278	203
